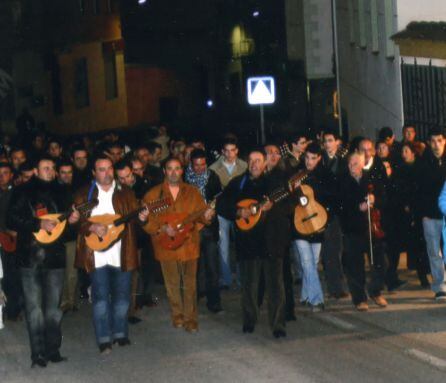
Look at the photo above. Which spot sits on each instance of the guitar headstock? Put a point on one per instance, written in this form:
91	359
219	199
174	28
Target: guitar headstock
284	150
158	205
343	152
213	203
298	177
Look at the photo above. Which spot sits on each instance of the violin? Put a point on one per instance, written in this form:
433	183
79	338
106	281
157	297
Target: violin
375	219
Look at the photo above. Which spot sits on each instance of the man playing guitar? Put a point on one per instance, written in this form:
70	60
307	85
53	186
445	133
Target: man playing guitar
179	266
110	270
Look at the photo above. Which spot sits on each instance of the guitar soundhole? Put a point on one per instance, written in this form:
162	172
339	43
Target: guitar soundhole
49	232
100	239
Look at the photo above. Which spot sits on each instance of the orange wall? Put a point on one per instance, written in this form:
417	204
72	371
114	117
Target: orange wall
145	86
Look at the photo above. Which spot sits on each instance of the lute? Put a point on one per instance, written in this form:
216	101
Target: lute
115	224
47	237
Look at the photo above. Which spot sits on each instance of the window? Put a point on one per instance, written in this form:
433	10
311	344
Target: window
82	6
81	95
389	27
361	24
111	81
374	25
108	6
351	21
96	7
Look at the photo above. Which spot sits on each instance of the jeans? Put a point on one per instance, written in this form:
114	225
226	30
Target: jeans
311	285
42	290
110	290
250	271
432	233
209	268
225	226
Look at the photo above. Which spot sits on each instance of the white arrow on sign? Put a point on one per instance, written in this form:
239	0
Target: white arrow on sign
261	90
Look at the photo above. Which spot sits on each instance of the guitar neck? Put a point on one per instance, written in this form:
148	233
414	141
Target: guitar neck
128	217
152	207
82	208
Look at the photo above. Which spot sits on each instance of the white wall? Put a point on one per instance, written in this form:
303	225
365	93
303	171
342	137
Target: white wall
370	82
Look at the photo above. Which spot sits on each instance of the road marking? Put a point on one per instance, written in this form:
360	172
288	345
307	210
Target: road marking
337	322
432	360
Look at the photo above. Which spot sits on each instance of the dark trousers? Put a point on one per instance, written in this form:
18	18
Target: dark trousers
394	248
110	290
12	286
354	265
331	255
288	284
147	274
250	271
42	290
209	268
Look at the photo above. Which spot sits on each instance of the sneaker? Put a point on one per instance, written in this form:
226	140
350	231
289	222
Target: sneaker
363	306
317	308
380	301
440	296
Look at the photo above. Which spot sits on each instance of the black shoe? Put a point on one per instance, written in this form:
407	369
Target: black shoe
39	361
134	320
290	316
215	309
248	328
122	341
279	334
57	358
440	296
105	348
424	281
399	283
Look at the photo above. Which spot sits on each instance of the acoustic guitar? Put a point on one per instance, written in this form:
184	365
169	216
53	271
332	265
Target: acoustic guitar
310	217
116	224
8	242
47	237
183	224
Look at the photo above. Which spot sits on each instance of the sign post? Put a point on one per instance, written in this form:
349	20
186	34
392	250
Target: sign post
261	91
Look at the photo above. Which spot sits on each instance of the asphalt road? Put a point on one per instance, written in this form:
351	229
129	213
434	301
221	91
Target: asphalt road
404	343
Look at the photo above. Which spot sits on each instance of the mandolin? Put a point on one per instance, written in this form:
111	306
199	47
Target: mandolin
310	217
183	224
116	224
47	237
255	208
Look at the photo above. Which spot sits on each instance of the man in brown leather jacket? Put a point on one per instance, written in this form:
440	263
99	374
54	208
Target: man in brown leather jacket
179	265
110	270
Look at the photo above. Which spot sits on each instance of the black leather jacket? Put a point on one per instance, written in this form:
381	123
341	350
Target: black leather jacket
27	202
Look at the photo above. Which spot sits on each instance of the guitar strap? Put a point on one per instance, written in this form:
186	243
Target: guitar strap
91	191
243	182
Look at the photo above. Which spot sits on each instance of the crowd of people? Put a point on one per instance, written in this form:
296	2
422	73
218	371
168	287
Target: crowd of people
382	199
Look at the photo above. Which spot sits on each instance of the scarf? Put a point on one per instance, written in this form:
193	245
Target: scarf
198	180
